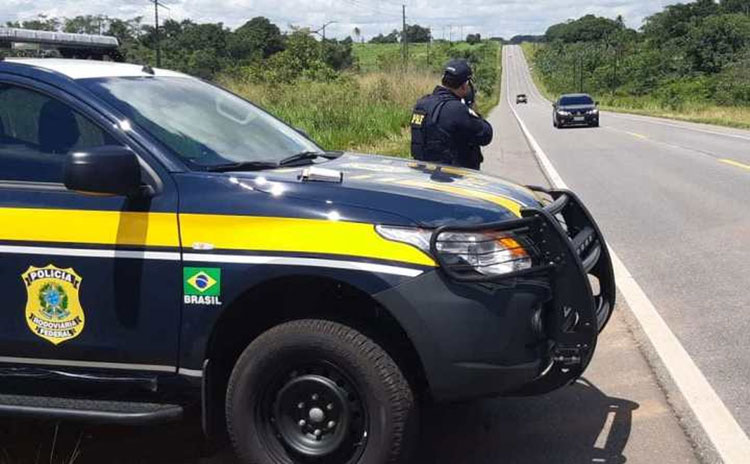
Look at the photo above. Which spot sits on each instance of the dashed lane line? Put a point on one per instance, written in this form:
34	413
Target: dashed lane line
637	135
735	163
653	120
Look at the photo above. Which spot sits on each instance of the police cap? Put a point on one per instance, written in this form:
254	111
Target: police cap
457	72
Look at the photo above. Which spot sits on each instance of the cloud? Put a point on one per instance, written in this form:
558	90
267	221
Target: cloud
503	18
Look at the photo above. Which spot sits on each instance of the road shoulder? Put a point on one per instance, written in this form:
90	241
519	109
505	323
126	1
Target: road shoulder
618	412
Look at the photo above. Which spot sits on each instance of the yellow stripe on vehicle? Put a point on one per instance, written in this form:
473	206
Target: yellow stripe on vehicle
240	233
296	235
89	227
507	203
224	232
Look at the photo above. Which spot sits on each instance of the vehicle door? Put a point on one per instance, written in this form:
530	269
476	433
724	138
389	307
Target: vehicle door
88	281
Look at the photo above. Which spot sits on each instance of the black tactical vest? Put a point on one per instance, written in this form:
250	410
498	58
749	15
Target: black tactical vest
428	141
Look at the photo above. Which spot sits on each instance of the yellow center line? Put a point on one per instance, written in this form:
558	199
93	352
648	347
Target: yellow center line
634	134
735	163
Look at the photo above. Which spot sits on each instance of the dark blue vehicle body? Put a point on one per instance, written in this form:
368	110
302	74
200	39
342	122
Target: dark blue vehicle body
285	248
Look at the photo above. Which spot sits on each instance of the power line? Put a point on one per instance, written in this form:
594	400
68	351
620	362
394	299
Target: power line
371	9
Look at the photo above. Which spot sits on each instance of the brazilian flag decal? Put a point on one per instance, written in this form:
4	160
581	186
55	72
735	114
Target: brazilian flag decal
202	281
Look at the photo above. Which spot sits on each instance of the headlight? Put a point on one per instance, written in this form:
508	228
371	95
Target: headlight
594	111
488	253
563	113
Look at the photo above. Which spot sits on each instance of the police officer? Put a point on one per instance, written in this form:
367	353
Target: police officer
444	129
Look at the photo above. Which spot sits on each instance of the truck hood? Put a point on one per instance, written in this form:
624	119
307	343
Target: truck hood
428	195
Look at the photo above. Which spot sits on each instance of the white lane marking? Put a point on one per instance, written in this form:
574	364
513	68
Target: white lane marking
653	120
90	253
311	262
90	364
730	441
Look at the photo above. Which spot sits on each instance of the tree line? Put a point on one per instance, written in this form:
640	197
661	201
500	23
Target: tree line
694	52
257	50
258	47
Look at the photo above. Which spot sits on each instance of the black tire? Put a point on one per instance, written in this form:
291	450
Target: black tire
554	123
328	363
595	124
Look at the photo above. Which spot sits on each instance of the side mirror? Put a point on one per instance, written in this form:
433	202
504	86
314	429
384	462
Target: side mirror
554	105
107	169
596	103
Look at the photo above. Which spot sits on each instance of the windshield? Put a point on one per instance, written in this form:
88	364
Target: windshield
576	100
202	124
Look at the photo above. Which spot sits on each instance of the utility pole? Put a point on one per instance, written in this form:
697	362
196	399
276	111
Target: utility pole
323	29
429	45
404	38
157	4
614	81
581	66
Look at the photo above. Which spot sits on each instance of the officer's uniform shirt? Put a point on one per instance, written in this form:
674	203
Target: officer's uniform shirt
467	130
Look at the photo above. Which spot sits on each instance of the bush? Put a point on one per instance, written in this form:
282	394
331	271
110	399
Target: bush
303	58
733	84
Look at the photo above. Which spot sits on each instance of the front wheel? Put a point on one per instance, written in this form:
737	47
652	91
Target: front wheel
321	392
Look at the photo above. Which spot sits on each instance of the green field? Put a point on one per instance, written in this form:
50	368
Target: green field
368	108
372	57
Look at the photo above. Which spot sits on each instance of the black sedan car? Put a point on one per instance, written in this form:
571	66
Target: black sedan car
521	98
575	109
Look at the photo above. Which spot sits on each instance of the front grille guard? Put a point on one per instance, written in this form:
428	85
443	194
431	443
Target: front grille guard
566	247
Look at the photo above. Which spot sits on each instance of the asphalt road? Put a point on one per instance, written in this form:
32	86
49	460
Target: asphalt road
672	199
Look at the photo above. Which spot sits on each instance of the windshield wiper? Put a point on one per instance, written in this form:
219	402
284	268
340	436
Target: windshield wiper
243	166
308	156
261	165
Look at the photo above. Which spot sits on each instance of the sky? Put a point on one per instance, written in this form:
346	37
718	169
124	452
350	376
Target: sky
456	18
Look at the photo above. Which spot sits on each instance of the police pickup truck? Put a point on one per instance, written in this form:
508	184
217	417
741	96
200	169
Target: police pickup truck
166	246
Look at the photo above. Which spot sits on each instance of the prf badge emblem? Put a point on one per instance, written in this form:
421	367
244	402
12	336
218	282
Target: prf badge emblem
53	310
